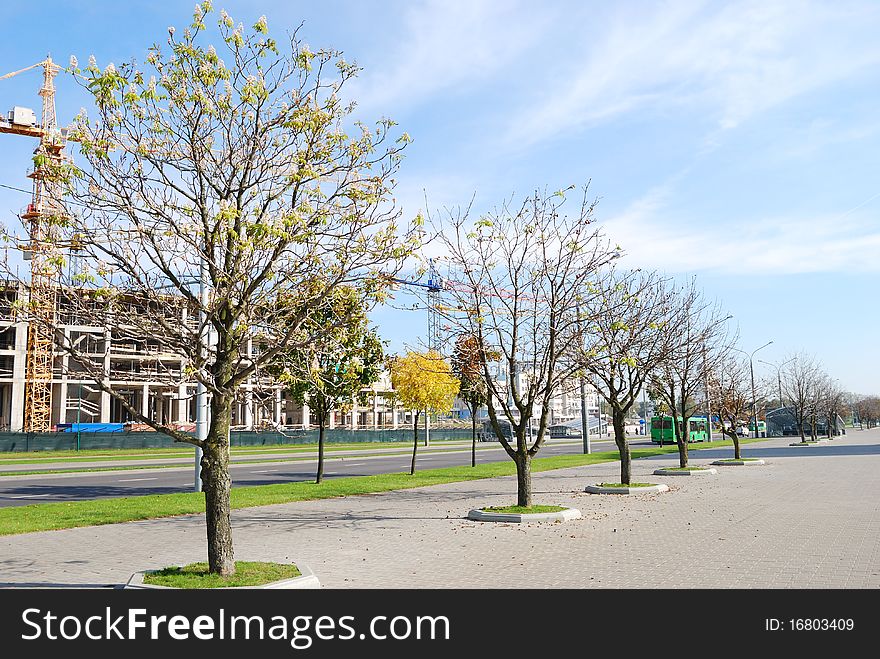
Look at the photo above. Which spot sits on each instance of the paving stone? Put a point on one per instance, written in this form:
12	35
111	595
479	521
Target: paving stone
804	520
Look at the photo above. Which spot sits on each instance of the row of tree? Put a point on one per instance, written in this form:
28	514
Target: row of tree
226	198
867	411
811	396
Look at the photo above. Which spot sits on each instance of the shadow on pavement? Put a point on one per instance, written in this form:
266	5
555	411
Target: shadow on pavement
751	451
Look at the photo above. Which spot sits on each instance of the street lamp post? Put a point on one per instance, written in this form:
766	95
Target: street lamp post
585	426
708	399
754	397
201	390
779	378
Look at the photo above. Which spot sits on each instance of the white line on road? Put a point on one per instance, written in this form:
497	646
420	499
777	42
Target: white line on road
266	471
133	480
28	496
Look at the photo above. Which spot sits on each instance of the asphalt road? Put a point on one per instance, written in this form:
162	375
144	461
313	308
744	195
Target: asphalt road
45	488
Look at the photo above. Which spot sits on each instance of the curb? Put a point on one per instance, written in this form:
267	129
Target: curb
306	579
738	463
699	471
566	515
597	489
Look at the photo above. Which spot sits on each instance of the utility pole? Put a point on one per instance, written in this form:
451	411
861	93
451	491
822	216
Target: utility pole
585	426
201	390
778	381
708	400
754	397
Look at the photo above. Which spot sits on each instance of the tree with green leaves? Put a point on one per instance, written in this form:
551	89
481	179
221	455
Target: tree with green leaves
328	372
467	365
627	339
229	159
423	382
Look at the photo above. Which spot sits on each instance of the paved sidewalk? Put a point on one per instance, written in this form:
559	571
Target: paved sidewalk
810	518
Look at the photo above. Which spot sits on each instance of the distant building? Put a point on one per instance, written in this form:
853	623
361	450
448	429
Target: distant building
781	422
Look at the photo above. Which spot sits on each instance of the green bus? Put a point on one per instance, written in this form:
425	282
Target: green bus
762	428
663	429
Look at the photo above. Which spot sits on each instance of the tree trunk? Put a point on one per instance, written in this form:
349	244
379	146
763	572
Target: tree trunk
800	427
813	434
681	438
523	479
474	437
736	453
320	475
412	469
217	484
622	446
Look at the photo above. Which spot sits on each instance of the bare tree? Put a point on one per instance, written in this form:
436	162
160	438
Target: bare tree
798	387
868	410
628	337
699	338
229	166
835	408
523	272
730	387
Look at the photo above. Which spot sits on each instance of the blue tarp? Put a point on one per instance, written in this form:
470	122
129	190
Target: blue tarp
91	427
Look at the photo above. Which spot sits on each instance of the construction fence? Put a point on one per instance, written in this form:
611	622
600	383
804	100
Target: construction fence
80	441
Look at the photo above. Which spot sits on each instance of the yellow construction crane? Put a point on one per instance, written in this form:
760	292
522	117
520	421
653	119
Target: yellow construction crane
41	217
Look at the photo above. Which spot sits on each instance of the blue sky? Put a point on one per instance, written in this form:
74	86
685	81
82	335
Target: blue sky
739	141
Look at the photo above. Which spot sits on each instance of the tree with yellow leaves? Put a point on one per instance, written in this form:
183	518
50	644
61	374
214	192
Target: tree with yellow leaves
423	382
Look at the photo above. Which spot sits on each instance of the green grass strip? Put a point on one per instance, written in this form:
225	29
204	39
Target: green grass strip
153	454
73	514
196	575
240	463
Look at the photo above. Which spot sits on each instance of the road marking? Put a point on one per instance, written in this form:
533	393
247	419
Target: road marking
28	496
353	464
266	471
133	480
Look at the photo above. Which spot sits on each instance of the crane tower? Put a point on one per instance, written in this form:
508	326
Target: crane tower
42	217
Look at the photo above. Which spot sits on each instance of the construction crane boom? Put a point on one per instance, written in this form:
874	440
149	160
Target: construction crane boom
434	288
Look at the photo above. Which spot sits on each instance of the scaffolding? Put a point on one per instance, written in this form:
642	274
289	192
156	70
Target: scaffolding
42	217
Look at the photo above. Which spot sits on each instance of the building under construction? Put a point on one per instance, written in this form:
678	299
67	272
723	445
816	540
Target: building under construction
148	376
42	386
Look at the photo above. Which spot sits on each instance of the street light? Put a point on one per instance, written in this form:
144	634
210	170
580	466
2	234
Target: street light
201	389
754	397
778	376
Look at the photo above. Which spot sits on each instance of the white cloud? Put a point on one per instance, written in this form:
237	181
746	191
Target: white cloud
728	63
846	242
448	45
